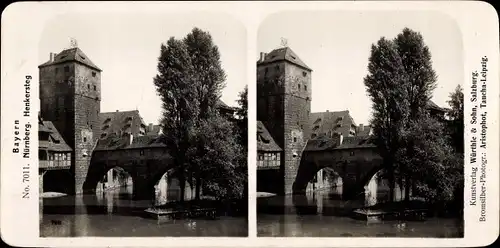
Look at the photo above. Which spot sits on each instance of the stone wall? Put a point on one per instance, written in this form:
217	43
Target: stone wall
70	96
284	105
297	106
87	108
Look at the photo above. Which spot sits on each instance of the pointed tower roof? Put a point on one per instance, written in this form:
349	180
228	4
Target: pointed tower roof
283	54
71	54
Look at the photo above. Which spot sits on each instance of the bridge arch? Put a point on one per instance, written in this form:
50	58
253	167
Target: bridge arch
166	186
355	172
308	171
98	177
115	177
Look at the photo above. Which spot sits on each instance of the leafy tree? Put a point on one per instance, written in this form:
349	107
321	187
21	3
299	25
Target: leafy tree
209	80
390	106
456	114
175	85
190	81
223	159
439	169
242	114
419	83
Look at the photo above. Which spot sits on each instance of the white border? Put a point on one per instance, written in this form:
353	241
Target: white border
22	24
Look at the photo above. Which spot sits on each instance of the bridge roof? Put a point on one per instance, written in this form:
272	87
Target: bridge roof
115	122
55	141
323	143
324	122
265	141
115	142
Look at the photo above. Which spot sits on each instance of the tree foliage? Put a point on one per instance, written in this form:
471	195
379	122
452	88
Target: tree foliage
174	84
456	115
390	105
419	84
190	80
413	145
242	114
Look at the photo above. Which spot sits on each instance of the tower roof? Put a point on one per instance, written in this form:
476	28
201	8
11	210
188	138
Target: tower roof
72	54
283	54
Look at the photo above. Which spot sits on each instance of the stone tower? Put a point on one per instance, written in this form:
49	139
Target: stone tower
70	97
284	105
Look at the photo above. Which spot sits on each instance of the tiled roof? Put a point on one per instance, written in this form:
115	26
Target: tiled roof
326	143
265	141
146	141
284	54
433	105
324	122
55	142
115	142
72	54
119	121
221	104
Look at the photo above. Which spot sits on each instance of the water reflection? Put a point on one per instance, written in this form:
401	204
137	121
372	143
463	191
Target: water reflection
324	213
114	213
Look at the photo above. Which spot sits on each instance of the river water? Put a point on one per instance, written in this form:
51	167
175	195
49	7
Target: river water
114	214
323	213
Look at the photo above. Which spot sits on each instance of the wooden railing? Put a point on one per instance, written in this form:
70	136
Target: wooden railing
54	164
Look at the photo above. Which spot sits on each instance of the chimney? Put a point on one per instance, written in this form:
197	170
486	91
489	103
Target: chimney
117	110
150	127
262	56
131	138
52	56
339	138
361	128
327	110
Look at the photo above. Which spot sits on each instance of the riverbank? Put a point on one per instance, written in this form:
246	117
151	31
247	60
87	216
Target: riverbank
440	209
231	207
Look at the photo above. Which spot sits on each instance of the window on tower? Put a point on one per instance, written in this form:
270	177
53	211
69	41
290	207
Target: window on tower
95	88
94	73
294	139
305	87
304	73
88	86
84	139
299	87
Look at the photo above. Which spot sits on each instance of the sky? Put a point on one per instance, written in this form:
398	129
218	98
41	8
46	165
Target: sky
336	46
126	47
